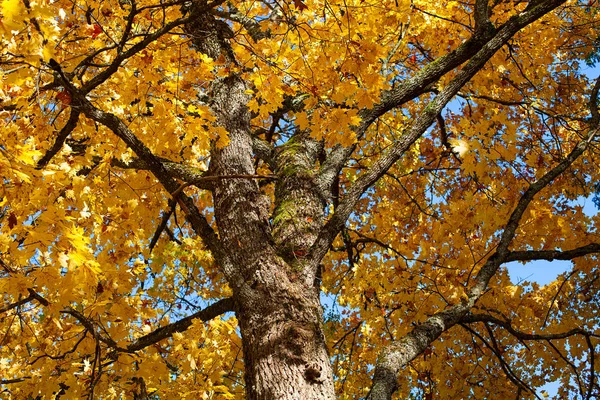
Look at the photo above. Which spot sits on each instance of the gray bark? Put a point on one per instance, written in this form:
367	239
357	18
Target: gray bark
278	309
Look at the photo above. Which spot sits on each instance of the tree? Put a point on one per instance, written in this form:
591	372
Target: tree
188	184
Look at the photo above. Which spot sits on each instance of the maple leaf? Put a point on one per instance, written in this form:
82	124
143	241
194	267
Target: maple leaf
12	13
12	220
459	146
95	30
300	5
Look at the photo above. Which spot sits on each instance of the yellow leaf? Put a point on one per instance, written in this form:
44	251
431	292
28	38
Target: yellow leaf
302	120
47	52
459	146
13	14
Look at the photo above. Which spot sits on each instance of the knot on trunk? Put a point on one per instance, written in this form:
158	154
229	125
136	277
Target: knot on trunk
295	342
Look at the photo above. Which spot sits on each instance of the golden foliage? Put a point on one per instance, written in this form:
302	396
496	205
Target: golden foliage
77	231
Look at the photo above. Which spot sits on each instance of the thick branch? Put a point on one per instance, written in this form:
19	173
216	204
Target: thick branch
427	117
263	150
252	26
422	82
119	128
398	354
482	15
177	170
551	255
593	104
210	312
473	318
509	232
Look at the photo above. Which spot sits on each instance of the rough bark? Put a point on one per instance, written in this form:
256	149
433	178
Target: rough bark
279	314
277	307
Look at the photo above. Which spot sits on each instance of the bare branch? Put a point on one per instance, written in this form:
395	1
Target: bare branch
164	332
38	297
592	367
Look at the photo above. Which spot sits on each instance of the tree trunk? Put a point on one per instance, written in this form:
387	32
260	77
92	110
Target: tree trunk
275	290
278	307
284	347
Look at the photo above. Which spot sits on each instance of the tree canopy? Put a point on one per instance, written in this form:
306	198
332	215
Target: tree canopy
312	199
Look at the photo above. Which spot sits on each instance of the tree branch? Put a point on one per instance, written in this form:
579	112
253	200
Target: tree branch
551	255
163	224
263	150
251	26
214	310
512	376
422	82
15	380
139	46
210	312
60	139
89	325
16	304
177	170
425	119
197	220
592	367
154	164
473	318
400	352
